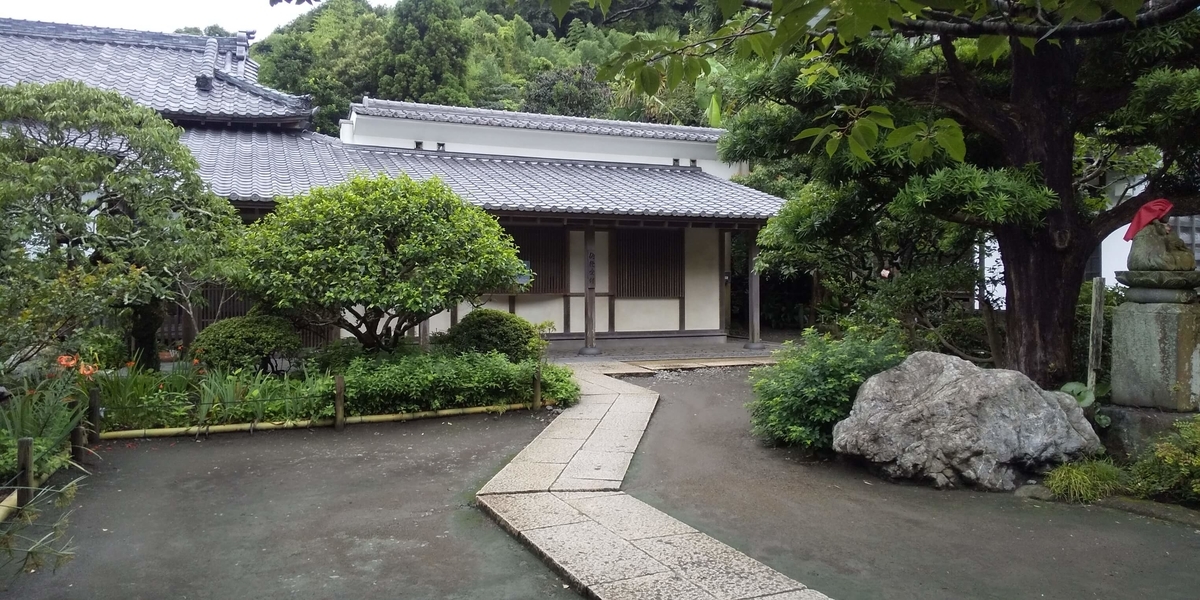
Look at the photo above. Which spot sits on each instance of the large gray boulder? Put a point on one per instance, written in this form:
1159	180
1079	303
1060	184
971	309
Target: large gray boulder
941	418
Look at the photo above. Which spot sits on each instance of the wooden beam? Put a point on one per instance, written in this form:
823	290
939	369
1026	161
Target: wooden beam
589	298
755	342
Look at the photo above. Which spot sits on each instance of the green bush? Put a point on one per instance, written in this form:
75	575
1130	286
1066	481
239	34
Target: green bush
1086	481
335	356
1170	469
246	342
812	387
385	384
485	330
434	382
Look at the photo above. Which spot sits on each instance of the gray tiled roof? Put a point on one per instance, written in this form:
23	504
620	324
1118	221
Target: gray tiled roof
154	69
260	165
520	120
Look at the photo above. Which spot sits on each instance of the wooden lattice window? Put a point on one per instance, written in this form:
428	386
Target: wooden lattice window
548	252
648	263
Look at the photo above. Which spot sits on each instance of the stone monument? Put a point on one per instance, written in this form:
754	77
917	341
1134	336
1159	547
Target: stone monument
1156	334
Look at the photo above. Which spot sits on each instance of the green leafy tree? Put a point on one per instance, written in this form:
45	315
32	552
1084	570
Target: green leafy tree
210	31
330	53
572	92
428	54
377	256
1058	121
102	209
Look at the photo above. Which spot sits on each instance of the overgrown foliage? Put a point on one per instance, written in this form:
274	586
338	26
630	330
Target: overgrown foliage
376	256
799	399
249	342
380	384
1011	118
1170	470
103	212
487	330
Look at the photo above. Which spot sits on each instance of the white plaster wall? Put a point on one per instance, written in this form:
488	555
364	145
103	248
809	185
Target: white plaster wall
702	278
647	314
509	141
538	309
577	308
1114	253
439	322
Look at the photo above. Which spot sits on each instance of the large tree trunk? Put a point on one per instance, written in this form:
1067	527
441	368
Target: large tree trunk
1044	263
1043	285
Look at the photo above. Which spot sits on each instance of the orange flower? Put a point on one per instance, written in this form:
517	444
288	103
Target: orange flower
195	361
67	361
129	363
200	372
87	370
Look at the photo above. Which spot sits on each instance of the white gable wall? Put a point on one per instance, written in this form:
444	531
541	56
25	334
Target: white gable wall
532	143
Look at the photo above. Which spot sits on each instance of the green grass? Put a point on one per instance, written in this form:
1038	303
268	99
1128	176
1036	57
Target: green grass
1086	482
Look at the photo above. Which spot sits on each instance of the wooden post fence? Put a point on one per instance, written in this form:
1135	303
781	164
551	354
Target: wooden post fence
339	403
94	415
1096	334
24	471
78	434
537	386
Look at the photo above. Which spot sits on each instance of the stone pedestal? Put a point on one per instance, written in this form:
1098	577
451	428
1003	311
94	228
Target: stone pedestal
1132	430
1156	356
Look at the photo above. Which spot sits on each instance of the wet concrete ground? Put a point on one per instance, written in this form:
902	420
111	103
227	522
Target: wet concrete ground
377	511
844	532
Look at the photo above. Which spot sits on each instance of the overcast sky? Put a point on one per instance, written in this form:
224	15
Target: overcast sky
160	15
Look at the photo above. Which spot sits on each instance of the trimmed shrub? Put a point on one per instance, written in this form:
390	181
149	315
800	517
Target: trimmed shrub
246	342
1086	481
336	356
485	330
812	387
433	382
1170	470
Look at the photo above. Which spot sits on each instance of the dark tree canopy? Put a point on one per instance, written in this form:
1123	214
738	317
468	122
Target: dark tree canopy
428	59
572	92
1018	119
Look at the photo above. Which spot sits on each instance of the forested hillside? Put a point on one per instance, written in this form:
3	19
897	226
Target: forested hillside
482	53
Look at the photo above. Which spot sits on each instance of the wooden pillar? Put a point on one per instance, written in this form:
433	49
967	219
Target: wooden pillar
589	296
724	275
755	342
423	334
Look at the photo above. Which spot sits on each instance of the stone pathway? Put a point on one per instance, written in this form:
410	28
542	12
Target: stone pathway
561	496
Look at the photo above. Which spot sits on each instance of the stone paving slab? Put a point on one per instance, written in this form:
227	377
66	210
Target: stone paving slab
570	429
523	477
633	421
591	554
703	363
550	450
590	464
715	567
626	403
660	586
613	440
561	495
531	511
565	484
629	517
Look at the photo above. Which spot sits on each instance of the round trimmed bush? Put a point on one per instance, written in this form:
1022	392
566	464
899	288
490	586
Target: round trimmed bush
485	330
246	342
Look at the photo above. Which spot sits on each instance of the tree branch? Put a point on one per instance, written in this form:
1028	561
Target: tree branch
1119	215
974	29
